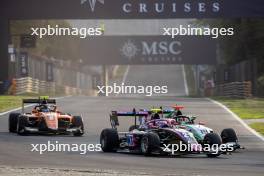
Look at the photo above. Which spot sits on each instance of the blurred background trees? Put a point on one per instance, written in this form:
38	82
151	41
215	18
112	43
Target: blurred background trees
61	47
246	44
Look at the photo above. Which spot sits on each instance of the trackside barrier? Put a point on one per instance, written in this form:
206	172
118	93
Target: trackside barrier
35	86
234	89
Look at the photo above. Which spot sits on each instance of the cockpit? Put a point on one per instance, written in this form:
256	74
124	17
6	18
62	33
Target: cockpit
45	108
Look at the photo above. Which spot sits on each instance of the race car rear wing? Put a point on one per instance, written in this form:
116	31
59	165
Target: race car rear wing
160	111
40	100
115	114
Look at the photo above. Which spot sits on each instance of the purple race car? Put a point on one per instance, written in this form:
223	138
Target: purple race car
159	136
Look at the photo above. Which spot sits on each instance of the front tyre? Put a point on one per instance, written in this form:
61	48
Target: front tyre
22	124
109	140
150	142
13	120
213	141
228	135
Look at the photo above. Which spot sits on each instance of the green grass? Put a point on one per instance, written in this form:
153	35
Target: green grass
252	108
258	126
9	102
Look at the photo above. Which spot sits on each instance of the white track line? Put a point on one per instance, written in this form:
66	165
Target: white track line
125	75
185	81
124	78
238	119
16	109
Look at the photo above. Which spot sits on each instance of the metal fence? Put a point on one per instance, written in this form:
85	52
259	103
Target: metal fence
245	71
234	89
35	86
39	74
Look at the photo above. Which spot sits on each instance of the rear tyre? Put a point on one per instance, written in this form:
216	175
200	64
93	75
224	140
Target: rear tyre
77	121
109	140
22	123
150	143
228	135
12	125
212	139
133	127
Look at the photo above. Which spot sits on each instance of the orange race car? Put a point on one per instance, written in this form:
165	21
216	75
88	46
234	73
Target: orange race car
45	118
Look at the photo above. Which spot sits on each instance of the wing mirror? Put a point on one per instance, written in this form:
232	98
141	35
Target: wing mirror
193	118
201	123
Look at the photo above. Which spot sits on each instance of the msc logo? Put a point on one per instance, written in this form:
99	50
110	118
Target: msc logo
154	48
148	51
129	49
92	3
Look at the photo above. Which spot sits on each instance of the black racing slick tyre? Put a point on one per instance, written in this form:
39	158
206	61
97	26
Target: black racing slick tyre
133	127
150	143
109	140
228	135
77	121
12	122
212	139
22	123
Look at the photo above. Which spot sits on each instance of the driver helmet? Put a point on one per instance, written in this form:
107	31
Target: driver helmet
179	113
44	108
155	116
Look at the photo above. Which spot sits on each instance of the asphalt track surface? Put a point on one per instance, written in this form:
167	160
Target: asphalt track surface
15	150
